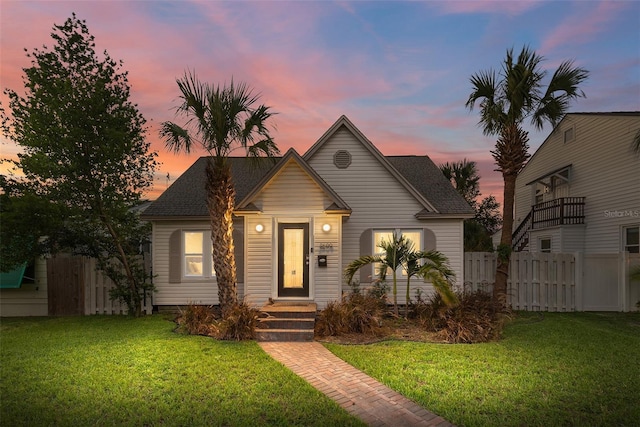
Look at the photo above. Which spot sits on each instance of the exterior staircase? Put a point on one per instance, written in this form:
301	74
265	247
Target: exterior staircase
287	322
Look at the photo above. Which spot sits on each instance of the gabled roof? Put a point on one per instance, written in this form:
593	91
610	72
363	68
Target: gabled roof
337	205
344	121
186	197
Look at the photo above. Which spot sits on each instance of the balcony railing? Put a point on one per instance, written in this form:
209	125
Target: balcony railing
561	211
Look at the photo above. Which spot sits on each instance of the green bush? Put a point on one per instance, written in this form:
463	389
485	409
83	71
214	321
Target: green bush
476	318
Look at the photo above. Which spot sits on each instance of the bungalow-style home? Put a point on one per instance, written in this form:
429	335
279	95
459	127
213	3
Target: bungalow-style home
300	220
580	193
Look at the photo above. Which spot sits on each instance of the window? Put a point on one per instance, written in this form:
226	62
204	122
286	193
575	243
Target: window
545	245
632	239
197	260
568	135
387	235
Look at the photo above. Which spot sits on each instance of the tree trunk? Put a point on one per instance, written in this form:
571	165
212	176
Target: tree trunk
502	270
220	202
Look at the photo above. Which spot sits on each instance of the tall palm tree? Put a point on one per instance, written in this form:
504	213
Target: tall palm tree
508	99
398	252
220	120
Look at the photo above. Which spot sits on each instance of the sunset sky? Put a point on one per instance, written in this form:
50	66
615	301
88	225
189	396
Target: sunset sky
399	70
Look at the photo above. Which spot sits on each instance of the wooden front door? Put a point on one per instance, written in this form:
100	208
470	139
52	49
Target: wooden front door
293	260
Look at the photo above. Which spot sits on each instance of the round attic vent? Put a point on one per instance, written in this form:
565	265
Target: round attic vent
342	159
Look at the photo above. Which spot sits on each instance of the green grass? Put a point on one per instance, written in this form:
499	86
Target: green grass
115	370
575	369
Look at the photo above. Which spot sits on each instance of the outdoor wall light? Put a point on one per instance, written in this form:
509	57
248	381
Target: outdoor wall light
259	228
326	228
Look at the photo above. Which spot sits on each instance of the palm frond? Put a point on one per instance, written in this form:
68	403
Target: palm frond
552	106
357	264
177	139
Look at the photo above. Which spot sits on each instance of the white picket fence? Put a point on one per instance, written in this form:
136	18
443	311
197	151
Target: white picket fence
96	293
559	281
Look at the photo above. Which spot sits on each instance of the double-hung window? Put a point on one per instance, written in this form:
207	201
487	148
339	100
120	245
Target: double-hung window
197	261
631	236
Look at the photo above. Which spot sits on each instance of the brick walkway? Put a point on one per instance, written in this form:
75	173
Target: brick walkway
358	393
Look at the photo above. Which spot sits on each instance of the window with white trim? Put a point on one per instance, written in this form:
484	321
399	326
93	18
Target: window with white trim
631	239
387	235
197	254
545	245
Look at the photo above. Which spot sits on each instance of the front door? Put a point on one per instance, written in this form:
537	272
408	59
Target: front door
293	260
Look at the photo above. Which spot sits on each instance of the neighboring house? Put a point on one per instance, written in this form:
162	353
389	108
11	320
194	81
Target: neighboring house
301	219
25	294
580	192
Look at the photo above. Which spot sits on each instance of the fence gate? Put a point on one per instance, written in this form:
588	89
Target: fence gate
65	286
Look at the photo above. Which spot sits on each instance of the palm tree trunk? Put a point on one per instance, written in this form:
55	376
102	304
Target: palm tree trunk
220	202
502	270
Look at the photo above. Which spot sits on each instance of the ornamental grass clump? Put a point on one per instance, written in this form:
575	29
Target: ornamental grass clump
197	320
476	318
356	313
239	324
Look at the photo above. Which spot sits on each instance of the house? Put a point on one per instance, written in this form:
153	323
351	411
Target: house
25	294
299	221
580	193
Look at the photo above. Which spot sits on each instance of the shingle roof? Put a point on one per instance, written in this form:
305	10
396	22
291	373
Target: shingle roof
427	178
186	197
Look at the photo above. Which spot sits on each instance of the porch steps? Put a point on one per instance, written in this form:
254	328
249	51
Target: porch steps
287	322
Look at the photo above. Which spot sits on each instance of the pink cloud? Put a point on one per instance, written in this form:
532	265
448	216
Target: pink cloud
513	8
583	25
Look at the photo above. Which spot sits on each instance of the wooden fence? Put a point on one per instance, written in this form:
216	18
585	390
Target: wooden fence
75	286
560	281
537	281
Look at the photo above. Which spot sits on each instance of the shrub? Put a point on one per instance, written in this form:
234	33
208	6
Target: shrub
240	323
356	313
476	318
198	320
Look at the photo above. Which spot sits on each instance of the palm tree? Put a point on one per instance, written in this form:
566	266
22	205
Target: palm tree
430	265
399	252
507	99
463	175
220	120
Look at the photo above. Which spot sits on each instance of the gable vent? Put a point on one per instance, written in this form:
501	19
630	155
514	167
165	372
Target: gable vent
342	159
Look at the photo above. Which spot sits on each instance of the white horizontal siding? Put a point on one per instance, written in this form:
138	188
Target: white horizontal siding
189	290
292	190
604	170
326	280
378	200
259	250
30	299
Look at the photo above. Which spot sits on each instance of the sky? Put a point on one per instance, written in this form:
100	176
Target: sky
398	70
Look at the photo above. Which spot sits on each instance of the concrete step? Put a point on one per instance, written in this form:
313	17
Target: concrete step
286	323
283	335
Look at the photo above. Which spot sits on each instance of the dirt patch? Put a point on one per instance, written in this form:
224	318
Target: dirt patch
391	330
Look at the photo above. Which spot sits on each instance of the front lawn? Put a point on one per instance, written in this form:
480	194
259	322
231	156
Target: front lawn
111	370
551	369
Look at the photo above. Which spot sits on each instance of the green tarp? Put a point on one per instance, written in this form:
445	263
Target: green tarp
12	279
